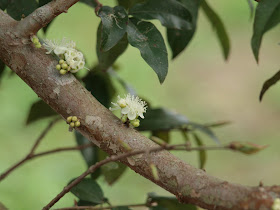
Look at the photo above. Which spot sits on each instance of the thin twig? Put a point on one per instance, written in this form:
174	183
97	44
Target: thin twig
31	153
114	158
101	208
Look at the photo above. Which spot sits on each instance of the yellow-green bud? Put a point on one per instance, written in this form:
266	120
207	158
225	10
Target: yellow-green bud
122	103
38	45
124	118
61	61
69	119
74	119
72	125
135	123
58	67
36	41
68	68
62	71
64	66
77	124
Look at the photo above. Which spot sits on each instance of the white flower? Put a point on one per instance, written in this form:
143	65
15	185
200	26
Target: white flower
276	204
131	105
57	47
74	59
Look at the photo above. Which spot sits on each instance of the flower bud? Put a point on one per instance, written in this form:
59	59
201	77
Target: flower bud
64	66
124	118
122	103
62	71
72	125
38	45
61	61
77	124
58	67
69	119
135	123
74	119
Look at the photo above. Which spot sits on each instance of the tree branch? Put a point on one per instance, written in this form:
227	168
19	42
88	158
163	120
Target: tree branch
102	208
67	96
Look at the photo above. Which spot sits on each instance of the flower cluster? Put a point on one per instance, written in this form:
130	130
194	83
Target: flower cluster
73	121
276	204
72	60
36	41
131	108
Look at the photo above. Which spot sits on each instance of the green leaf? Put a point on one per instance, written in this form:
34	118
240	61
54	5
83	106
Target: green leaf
90	3
112	171
2	68
179	39
43	2
121	208
203	129
267	16
89	154
114	22
88	190
4	4
268	83
202	153
171	13
107	59
17	8
163	135
100	86
163	120
218	27
39	110
127	4
168	203
86	203
146	37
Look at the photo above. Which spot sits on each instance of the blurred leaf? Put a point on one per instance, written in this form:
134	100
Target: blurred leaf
43	2
168	203
114	22
88	190
203	129
100	86
267	16
171	13
112	171
218	27
17	8
90	3
246	147
146	37
127	4
2	68
39	110
126	86
217	124
121	208
251	7
179	39
202	153
268	83
162	119
163	135
4	4
89	154
86	203
107	59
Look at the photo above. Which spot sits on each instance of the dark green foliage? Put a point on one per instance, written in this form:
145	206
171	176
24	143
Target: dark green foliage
267	16
43	2
111	171
88	190
163	135
19	8
218	27
179	39
39	110
201	153
114	22
121	208
2	68
100	86
171	13
146	37
107	59
127	4
4	4
89	154
168	203
268	83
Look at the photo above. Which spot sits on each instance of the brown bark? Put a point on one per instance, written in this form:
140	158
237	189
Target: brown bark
68	97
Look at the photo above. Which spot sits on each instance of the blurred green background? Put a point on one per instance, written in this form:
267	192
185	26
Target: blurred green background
200	85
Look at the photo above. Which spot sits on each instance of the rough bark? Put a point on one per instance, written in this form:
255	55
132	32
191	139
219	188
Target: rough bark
68	97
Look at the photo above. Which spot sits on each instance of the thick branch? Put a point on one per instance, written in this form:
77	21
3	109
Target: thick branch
68	97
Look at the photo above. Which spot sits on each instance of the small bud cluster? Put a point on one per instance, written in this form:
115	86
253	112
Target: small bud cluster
73	121
36	41
246	147
71	60
131	108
